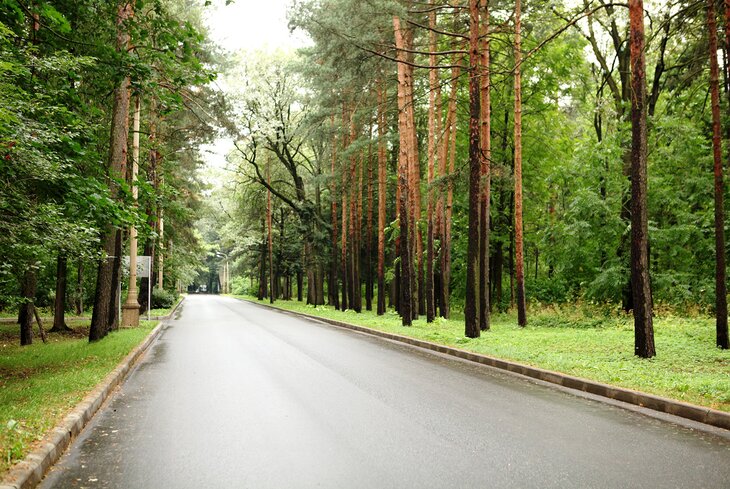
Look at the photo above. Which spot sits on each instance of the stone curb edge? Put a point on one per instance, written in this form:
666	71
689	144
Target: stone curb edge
29	472
700	414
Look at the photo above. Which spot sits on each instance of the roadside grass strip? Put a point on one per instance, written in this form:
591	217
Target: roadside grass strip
40	383
688	367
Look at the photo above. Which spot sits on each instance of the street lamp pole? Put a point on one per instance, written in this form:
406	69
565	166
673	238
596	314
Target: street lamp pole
226	273
130	309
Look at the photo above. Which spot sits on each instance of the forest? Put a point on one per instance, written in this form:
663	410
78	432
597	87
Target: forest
469	158
93	93
438	159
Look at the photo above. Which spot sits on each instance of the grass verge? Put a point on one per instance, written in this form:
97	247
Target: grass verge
40	383
688	366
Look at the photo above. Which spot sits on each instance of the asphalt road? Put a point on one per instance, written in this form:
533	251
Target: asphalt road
236	396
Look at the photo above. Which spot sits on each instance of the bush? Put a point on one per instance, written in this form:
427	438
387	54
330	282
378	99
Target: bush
163	299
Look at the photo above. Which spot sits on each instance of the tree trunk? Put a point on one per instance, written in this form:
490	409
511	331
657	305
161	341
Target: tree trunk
485	168
433	78
115	299
59	310
406	304
450	152
25	315
369	234
270	241
80	288
382	161
640	281
519	239
102	317
343	254
471	311
300	285
149	248
353	286
721	325
333	288
262	262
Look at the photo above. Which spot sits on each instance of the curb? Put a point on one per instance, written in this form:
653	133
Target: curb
712	417
29	472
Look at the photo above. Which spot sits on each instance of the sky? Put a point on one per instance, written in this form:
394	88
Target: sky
251	25
246	25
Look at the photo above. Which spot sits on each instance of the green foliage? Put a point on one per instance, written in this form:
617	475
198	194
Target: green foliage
163	299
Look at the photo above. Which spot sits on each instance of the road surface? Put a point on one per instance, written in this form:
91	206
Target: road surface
233	395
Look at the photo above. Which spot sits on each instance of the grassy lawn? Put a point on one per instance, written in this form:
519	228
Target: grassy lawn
688	366
40	383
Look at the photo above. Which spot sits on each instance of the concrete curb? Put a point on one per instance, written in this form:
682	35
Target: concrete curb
29	472
700	414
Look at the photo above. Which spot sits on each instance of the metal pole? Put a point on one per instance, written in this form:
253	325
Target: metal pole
149	285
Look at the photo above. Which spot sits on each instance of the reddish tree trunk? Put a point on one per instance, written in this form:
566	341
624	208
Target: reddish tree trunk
519	239
640	282
382	161
404	107
369	236
333	288
343	250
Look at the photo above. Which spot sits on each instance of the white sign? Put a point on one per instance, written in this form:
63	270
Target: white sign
143	266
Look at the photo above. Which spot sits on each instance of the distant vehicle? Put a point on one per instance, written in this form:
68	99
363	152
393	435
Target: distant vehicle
204	288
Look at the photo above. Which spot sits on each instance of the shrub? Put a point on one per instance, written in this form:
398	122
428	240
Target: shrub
163	299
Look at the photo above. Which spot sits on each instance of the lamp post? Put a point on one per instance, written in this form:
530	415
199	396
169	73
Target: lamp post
226	276
130	309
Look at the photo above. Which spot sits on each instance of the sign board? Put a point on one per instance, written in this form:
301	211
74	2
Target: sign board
143	266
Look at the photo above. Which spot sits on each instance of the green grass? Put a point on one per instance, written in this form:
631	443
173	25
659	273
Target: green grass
688	366
40	383
162	312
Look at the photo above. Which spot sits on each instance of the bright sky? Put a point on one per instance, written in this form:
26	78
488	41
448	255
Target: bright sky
251	25
246	25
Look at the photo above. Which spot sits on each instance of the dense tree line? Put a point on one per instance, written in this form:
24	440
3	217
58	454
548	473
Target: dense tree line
481	155
72	72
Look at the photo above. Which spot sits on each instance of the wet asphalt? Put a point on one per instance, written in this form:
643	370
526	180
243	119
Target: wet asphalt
233	395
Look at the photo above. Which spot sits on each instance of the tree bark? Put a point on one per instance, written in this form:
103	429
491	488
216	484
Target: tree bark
720	271
102	317
369	236
519	239
485	168
59	309
25	315
450	152
149	248
471	311
270	240
333	288
433	78
640	281
262	262
406	304
80	288
382	161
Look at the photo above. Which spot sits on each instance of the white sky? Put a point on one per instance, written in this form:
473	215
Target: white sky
251	25
246	25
